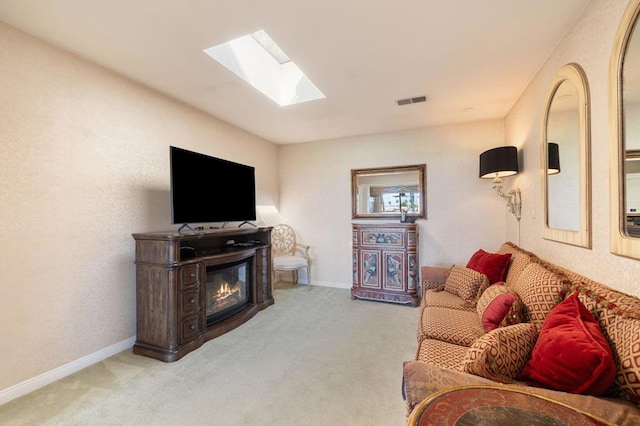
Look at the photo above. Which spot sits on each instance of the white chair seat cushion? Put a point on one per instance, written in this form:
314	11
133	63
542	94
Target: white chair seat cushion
289	262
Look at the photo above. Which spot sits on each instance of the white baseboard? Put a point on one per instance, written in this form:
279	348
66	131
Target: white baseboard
51	376
317	283
330	284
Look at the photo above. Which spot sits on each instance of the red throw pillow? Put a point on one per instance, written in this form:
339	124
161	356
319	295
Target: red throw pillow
493	265
498	307
571	353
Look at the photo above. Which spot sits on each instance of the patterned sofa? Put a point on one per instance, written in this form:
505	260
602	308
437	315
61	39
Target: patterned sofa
523	332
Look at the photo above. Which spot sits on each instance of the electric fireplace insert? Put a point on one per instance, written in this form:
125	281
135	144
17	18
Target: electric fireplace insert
228	289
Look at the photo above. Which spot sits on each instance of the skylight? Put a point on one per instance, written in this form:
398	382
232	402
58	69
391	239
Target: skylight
259	61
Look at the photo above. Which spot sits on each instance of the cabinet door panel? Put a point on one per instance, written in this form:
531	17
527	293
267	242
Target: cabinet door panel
370	268
412	283
354	267
394	270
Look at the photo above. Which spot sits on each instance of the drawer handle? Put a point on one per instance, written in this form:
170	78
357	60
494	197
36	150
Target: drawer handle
193	326
193	274
193	301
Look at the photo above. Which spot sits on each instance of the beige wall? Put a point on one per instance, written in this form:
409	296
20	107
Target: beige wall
83	164
589	44
463	214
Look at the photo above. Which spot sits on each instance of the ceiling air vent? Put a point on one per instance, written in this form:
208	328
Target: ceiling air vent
408	101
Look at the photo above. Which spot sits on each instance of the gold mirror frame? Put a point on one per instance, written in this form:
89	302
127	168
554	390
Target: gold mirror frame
571	73
385	178
621	243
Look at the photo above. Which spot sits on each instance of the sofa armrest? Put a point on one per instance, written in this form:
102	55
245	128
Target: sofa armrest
433	277
421	379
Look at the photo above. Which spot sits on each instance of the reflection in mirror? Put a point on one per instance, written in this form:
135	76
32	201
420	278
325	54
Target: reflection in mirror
566	142
631	132
388	192
632	191
563	189
625	141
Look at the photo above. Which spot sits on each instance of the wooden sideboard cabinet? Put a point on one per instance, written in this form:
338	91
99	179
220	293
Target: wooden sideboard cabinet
385	263
180	277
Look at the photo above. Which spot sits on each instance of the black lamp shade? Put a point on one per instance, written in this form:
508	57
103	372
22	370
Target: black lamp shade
499	162
553	158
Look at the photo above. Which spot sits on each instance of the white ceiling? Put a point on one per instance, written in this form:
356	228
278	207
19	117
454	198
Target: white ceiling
363	54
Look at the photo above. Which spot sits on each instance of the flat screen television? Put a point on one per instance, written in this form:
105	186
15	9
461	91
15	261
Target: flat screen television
208	189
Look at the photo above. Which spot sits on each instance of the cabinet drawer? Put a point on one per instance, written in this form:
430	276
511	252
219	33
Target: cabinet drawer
190	302
191	328
382	237
189	276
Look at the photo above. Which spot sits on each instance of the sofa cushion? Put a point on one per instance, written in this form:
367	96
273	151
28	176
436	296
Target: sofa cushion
493	265
519	260
571	353
499	307
541	288
466	283
449	325
444	299
441	353
500	354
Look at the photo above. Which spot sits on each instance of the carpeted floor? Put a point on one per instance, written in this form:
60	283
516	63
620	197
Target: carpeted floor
315	357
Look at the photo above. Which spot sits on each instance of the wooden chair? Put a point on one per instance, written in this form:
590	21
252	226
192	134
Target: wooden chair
287	254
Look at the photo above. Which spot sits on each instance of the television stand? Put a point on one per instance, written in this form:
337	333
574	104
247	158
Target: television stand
172	271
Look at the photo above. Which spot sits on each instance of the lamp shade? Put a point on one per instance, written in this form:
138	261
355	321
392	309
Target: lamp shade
553	158
499	162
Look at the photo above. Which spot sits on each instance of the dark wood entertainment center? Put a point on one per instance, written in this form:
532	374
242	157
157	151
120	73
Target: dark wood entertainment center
171	270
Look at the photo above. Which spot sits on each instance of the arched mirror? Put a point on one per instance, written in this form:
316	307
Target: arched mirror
625	140
566	159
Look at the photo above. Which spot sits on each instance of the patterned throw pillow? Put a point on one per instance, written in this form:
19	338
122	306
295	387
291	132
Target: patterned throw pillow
540	288
499	307
520	258
623	333
500	354
466	283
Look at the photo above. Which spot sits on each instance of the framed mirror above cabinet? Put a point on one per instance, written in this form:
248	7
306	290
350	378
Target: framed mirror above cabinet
566	159
625	138
388	192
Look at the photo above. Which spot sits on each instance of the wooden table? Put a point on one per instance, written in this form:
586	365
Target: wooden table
496	406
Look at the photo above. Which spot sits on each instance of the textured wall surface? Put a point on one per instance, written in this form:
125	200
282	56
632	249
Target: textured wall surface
463	213
84	163
589	43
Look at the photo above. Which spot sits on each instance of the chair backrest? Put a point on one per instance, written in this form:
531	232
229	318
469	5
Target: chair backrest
283	240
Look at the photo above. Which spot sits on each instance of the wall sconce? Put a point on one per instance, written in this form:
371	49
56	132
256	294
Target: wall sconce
500	162
553	158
